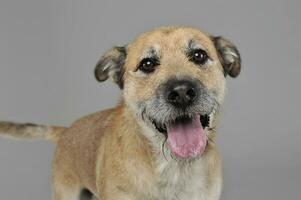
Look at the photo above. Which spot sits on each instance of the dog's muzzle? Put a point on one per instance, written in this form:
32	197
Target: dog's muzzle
186	102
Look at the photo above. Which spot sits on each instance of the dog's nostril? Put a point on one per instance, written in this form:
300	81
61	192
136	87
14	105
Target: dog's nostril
191	93
173	96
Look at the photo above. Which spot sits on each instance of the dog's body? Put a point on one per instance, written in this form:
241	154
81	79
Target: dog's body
108	159
158	143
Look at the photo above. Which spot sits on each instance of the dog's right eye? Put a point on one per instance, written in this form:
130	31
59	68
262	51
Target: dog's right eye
148	65
198	56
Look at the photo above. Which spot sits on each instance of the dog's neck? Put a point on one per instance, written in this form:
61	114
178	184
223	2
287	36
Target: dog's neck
132	133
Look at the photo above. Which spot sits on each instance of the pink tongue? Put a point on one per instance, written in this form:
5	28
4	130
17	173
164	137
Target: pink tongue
186	139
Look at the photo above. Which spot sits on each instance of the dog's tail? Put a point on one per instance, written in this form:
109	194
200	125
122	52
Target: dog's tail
29	131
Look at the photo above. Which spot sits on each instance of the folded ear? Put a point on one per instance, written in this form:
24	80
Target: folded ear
228	55
110	65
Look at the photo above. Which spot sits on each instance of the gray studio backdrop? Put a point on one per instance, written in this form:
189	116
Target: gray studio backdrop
48	50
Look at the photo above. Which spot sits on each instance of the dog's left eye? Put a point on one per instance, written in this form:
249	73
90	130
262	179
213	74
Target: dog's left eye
148	65
198	56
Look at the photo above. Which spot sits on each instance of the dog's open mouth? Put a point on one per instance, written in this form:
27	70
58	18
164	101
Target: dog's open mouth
162	128
185	136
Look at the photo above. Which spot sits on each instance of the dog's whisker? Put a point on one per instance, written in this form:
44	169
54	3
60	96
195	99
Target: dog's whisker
177	197
163	149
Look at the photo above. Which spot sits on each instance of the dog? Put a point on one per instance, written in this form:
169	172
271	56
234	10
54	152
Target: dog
159	142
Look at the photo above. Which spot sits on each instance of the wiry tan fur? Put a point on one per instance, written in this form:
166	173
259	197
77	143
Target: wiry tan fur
113	153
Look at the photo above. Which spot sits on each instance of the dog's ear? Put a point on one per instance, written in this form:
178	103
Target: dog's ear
110	65
229	56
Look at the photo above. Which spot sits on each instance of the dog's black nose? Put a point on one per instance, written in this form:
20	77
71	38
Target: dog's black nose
181	93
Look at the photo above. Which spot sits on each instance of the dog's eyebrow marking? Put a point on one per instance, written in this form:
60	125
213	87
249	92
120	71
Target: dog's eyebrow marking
151	52
192	45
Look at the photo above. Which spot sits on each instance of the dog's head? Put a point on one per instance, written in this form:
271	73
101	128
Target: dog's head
173	79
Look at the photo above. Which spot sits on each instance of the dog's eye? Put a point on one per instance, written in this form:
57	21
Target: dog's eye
148	65
198	56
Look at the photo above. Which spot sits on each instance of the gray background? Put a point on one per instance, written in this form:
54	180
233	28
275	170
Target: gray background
48	50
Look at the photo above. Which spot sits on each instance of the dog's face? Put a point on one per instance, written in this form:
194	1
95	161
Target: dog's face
173	79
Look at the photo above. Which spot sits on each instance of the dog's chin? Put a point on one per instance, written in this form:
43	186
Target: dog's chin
185	135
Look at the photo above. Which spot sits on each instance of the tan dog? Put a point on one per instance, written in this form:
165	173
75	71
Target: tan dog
159	142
